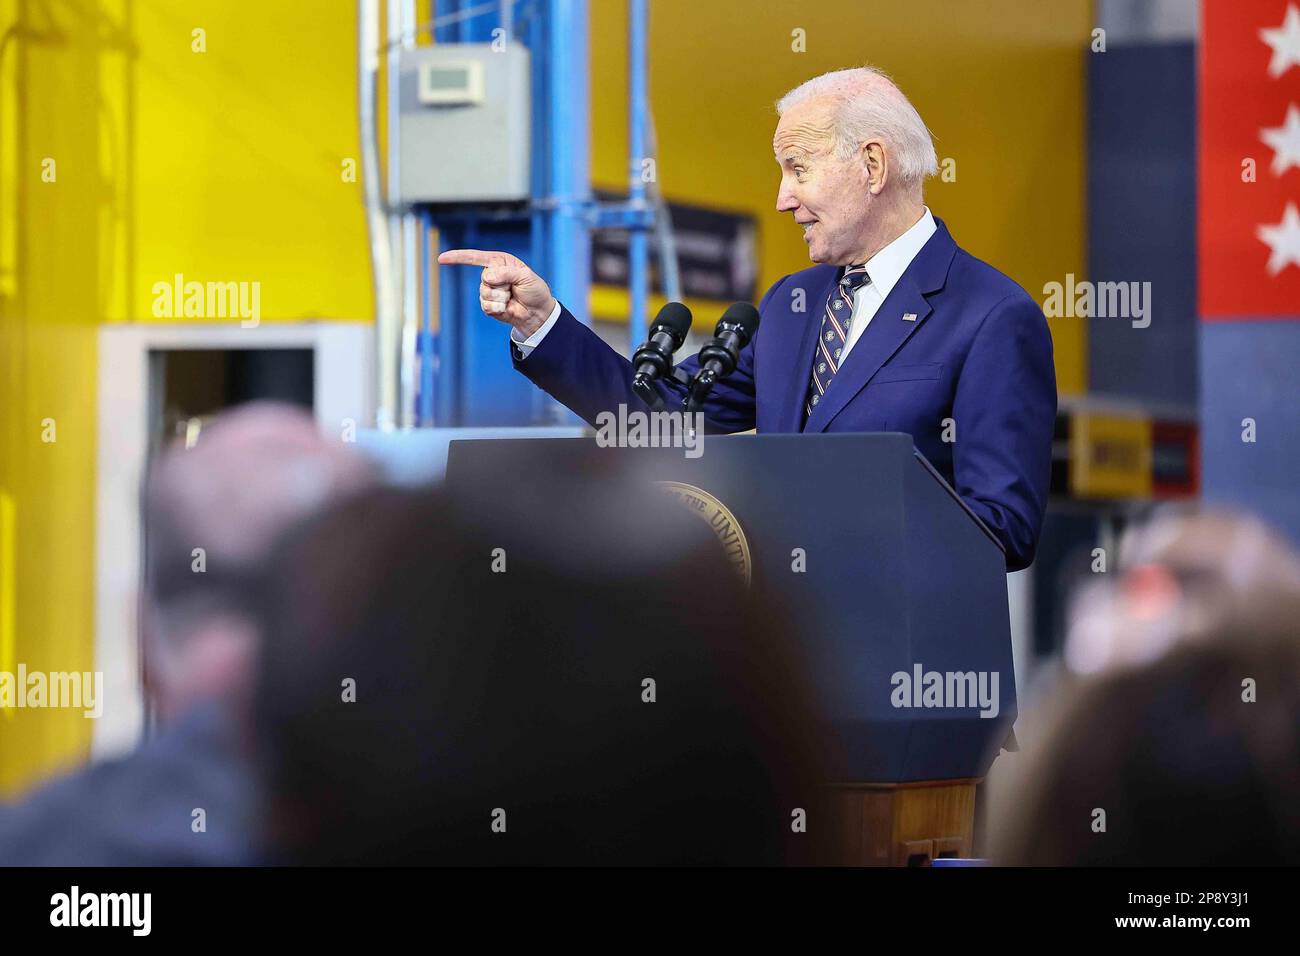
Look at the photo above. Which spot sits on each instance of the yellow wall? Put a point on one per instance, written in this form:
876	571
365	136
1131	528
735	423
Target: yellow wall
999	83
222	165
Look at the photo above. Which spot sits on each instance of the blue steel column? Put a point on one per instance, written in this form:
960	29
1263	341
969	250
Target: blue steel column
426	345
541	408
568	119
475	383
639	240
452	304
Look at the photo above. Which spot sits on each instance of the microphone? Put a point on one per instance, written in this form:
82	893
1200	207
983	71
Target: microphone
719	357
654	359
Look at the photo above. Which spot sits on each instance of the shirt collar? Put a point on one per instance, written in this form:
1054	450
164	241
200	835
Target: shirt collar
886	267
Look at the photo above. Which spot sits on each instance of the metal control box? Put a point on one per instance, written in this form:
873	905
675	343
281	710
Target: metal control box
465	131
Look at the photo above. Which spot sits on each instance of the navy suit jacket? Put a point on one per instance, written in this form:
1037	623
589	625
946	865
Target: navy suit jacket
958	356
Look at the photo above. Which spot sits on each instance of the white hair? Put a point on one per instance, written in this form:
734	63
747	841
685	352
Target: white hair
868	104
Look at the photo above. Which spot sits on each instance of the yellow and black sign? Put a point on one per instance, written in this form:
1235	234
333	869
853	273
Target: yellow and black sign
1110	456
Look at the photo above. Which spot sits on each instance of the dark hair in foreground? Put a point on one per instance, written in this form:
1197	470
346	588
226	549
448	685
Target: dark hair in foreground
480	693
1187	771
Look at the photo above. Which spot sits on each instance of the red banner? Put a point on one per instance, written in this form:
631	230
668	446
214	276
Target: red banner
1249	169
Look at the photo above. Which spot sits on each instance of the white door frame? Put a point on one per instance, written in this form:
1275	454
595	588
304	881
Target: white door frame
343	389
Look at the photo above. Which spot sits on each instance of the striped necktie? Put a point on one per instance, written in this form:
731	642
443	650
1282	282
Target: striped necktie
837	316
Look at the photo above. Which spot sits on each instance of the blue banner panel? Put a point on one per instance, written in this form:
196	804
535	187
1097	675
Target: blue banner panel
1250	419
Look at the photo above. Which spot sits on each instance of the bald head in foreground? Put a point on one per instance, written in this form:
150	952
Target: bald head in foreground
253	472
187	796
1172	737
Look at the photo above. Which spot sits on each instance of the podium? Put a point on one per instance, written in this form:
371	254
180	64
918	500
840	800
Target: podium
900	594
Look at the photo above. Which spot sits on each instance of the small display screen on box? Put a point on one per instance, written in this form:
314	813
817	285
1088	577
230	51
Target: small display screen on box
447	79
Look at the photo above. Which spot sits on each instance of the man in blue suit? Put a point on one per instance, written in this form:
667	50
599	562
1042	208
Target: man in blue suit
895	329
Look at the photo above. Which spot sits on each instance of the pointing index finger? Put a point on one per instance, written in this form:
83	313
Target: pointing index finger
473	257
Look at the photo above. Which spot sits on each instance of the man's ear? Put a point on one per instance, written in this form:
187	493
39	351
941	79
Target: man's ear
876	163
220	656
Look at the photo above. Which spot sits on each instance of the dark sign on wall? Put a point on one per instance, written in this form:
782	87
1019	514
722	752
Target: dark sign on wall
717	253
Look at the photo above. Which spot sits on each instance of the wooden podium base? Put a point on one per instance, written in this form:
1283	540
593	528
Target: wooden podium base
903	824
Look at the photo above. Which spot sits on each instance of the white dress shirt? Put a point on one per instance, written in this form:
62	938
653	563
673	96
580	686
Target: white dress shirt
885	268
525	346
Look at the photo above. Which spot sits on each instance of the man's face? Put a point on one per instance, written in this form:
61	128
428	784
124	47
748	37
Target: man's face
829	197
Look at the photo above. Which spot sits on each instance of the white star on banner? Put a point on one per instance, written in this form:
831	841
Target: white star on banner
1284	140
1285	41
1283	239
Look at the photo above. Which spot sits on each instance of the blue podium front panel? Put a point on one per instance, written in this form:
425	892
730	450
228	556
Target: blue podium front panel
898	592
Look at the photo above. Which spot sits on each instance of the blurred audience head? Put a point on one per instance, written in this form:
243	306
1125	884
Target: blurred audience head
1192	760
211	513
1182	576
1175	737
554	680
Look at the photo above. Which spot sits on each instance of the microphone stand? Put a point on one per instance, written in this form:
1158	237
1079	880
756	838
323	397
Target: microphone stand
646	391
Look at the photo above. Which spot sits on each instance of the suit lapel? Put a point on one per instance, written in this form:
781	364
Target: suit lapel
888	329
881	339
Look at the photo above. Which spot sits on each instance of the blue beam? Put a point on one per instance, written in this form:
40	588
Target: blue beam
567	127
476	384
638	108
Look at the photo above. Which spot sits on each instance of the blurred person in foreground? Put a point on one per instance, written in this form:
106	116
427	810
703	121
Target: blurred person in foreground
1177	724
485	683
1183	576
253	471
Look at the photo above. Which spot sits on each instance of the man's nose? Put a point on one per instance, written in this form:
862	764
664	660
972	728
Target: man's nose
785	201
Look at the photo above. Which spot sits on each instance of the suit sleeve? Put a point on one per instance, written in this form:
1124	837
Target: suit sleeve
1005	414
579	370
